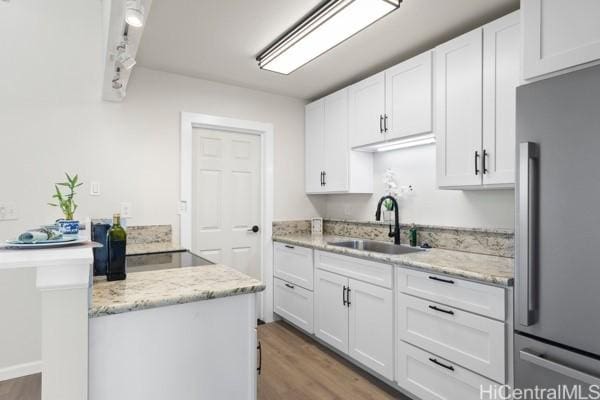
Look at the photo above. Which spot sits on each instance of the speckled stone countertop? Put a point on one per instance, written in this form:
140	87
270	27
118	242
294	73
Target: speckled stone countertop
148	248
151	289
479	267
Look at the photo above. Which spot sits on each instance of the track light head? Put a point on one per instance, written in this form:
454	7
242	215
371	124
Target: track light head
134	13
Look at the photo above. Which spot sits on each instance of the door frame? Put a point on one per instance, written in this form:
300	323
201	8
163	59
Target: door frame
189	121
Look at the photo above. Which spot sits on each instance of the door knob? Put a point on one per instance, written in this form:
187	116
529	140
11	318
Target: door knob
254	229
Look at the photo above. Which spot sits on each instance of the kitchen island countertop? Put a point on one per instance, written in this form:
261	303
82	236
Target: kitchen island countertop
150	289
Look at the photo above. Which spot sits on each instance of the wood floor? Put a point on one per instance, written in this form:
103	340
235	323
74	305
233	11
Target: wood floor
25	388
294	367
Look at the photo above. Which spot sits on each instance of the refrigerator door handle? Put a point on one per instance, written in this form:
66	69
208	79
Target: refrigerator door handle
526	226
541	361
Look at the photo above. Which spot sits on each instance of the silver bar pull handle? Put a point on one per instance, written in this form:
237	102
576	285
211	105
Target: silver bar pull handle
526	226
541	361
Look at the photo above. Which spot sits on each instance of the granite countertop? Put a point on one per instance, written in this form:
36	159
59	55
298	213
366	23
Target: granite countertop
479	267
148	248
151	289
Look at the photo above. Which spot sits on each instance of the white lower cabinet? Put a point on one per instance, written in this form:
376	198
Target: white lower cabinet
371	327
293	303
356	318
331	312
473	341
434	378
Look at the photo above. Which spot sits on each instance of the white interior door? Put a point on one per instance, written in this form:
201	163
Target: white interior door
226	199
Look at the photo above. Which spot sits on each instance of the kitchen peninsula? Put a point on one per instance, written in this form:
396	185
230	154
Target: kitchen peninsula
182	333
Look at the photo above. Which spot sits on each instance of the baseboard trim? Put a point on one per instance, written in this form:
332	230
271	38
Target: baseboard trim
17	371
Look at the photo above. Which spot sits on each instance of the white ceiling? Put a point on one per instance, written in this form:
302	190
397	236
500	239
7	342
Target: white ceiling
219	40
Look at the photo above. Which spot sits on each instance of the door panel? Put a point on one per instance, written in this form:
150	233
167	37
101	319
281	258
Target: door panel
459	110
559	35
501	76
561	116
336	149
547	366
371	327
408	91
313	146
367	105
433	378
293	303
226	190
475	342
331	315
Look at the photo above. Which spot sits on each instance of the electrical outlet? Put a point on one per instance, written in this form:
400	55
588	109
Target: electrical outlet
95	189
126	210
8	211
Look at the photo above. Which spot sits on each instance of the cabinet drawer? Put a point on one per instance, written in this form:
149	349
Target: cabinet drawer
475	342
294	304
293	264
433	378
475	297
367	271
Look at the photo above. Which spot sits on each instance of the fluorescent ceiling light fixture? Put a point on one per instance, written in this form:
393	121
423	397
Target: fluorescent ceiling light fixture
134	13
326	27
405	143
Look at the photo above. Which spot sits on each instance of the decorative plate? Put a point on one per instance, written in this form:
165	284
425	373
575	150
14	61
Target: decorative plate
64	241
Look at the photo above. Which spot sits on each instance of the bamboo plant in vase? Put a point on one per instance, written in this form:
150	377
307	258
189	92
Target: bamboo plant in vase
391	189
66	201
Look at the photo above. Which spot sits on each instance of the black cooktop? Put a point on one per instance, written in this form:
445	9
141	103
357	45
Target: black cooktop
166	260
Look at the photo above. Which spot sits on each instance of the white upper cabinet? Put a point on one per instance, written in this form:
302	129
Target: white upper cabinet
559	34
314	128
408	97
331	166
392	104
367	105
476	79
501	76
459	110
336	146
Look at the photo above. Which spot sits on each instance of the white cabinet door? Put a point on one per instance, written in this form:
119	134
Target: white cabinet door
336	149
501	76
367	106
475	342
293	264
371	327
293	303
331	314
433	378
559	34
408	97
314	146
458	70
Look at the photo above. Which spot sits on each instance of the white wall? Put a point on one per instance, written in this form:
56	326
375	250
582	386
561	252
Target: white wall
52	120
426	204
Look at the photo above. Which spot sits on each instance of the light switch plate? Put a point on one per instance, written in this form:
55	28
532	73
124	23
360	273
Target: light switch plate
94	187
8	211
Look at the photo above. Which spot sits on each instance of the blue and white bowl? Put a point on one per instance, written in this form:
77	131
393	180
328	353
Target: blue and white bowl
68	227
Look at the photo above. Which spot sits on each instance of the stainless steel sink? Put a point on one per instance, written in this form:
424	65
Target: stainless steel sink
377	247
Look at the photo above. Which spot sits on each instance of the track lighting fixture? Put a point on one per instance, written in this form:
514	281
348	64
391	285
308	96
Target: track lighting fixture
134	13
116	82
123	58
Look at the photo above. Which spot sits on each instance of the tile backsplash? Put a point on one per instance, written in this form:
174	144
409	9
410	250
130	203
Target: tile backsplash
497	242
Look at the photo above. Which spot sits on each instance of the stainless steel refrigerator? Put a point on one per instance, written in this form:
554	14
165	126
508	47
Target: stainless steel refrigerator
557	265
